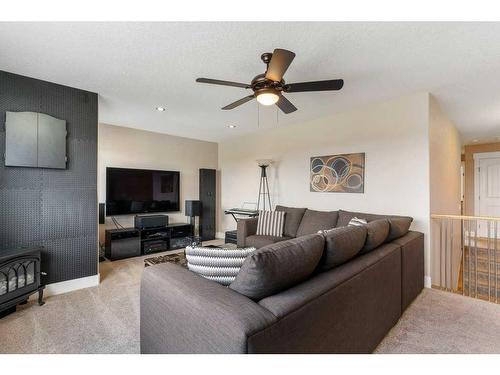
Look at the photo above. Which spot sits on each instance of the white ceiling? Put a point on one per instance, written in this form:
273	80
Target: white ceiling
136	67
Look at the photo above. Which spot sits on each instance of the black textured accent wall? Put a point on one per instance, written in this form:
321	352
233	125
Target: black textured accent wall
52	207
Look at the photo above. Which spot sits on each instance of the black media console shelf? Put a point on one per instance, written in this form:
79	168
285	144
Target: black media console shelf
131	242
122	243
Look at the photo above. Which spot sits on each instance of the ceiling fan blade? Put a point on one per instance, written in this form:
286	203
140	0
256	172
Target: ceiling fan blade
238	102
285	105
223	83
280	61
333	84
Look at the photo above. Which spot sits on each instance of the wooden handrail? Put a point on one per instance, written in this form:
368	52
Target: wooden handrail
464	217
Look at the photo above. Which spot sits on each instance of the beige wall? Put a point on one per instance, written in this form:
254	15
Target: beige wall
445	158
470	150
394	136
131	148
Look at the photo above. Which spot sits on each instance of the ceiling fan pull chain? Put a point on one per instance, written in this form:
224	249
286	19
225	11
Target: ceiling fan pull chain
258	116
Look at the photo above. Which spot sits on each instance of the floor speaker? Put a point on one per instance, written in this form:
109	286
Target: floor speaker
208	178
101	213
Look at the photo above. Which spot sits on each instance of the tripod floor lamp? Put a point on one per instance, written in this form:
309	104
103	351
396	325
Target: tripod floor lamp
264	194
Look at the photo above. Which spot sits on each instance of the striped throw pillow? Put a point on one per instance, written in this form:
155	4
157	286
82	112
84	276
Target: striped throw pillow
220	265
357	222
271	223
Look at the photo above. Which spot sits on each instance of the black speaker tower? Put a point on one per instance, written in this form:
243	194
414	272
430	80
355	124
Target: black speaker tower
208	178
102	214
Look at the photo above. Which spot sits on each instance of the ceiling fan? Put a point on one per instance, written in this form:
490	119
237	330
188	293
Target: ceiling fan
268	88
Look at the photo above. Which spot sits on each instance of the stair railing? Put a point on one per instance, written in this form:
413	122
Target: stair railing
466	255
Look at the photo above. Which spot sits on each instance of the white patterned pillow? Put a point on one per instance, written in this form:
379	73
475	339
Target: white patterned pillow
271	223
357	222
325	231
220	265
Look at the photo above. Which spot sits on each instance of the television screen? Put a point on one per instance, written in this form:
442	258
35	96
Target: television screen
134	191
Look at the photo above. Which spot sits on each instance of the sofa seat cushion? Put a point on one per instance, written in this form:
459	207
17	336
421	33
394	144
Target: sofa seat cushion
293	217
314	221
279	266
341	245
261	241
399	225
377	232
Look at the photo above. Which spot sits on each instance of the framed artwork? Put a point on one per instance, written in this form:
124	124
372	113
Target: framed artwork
344	173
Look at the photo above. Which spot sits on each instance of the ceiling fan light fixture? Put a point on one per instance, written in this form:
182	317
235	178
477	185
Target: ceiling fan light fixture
268	87
267	97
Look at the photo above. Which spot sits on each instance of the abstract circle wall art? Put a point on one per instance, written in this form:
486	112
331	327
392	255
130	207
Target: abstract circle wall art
344	173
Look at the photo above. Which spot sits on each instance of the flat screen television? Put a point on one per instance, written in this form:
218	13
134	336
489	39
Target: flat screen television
134	191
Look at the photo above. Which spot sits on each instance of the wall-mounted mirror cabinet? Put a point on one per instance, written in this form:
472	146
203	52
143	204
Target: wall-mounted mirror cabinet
34	140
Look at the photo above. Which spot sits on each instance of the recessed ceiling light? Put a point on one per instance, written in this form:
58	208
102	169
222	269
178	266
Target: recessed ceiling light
231	126
475	140
160	109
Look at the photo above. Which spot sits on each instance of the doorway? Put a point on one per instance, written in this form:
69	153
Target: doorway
486	188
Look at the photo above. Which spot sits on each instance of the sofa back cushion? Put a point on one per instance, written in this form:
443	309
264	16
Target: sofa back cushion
341	245
376	235
293	216
314	221
399	225
279	266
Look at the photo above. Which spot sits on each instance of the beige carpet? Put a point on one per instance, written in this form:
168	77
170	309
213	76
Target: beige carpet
441	322
105	319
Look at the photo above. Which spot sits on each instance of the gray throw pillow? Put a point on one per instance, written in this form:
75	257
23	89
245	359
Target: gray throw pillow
278	266
293	217
377	232
399	225
313	221
341	245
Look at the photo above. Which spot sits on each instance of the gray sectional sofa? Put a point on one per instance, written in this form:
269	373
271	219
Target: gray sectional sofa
339	291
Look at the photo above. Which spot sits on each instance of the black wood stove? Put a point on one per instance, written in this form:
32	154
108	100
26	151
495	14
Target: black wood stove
19	277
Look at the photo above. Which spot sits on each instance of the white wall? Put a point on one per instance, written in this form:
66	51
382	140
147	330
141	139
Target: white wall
445	151
132	148
394	136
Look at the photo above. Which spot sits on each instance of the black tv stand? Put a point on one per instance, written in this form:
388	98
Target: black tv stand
130	242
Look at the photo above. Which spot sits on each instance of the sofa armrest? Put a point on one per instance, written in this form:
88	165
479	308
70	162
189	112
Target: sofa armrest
245	228
412	266
182	312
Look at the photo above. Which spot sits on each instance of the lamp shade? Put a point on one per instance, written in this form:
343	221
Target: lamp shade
193	208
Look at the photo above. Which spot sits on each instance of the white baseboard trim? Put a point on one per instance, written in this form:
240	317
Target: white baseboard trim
427	282
71	285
